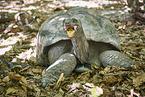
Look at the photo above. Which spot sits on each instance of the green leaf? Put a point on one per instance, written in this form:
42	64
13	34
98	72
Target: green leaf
96	91
139	79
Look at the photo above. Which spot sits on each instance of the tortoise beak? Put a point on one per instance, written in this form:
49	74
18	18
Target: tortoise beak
70	33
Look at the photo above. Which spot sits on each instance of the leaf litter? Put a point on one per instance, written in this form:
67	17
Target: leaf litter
24	77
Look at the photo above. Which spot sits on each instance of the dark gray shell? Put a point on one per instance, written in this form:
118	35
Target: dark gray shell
96	28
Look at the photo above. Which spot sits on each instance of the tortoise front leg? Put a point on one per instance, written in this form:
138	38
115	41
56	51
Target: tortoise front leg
65	64
115	58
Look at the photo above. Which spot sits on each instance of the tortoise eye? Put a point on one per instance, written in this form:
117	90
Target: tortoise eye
66	24
74	21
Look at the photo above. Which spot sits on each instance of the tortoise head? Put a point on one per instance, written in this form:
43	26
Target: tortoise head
71	26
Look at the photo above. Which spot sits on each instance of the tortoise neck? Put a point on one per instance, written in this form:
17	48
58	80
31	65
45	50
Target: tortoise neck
80	45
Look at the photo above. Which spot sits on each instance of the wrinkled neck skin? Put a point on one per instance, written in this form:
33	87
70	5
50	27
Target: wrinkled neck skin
81	47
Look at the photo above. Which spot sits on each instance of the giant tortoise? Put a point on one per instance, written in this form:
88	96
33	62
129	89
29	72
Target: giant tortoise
76	39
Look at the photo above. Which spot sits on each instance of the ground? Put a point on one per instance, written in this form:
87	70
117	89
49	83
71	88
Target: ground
22	75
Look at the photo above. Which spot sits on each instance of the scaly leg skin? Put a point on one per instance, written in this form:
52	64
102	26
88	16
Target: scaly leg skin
115	58
65	64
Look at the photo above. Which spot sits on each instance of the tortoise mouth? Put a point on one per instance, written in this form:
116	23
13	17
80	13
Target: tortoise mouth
70	31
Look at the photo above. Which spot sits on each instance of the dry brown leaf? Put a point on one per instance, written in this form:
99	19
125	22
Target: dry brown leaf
37	70
15	76
13	90
138	80
6	79
23	79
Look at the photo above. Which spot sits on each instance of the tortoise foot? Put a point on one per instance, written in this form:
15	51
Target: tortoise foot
115	58
65	64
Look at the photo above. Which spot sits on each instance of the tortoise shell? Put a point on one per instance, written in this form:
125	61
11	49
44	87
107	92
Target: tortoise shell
96	28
